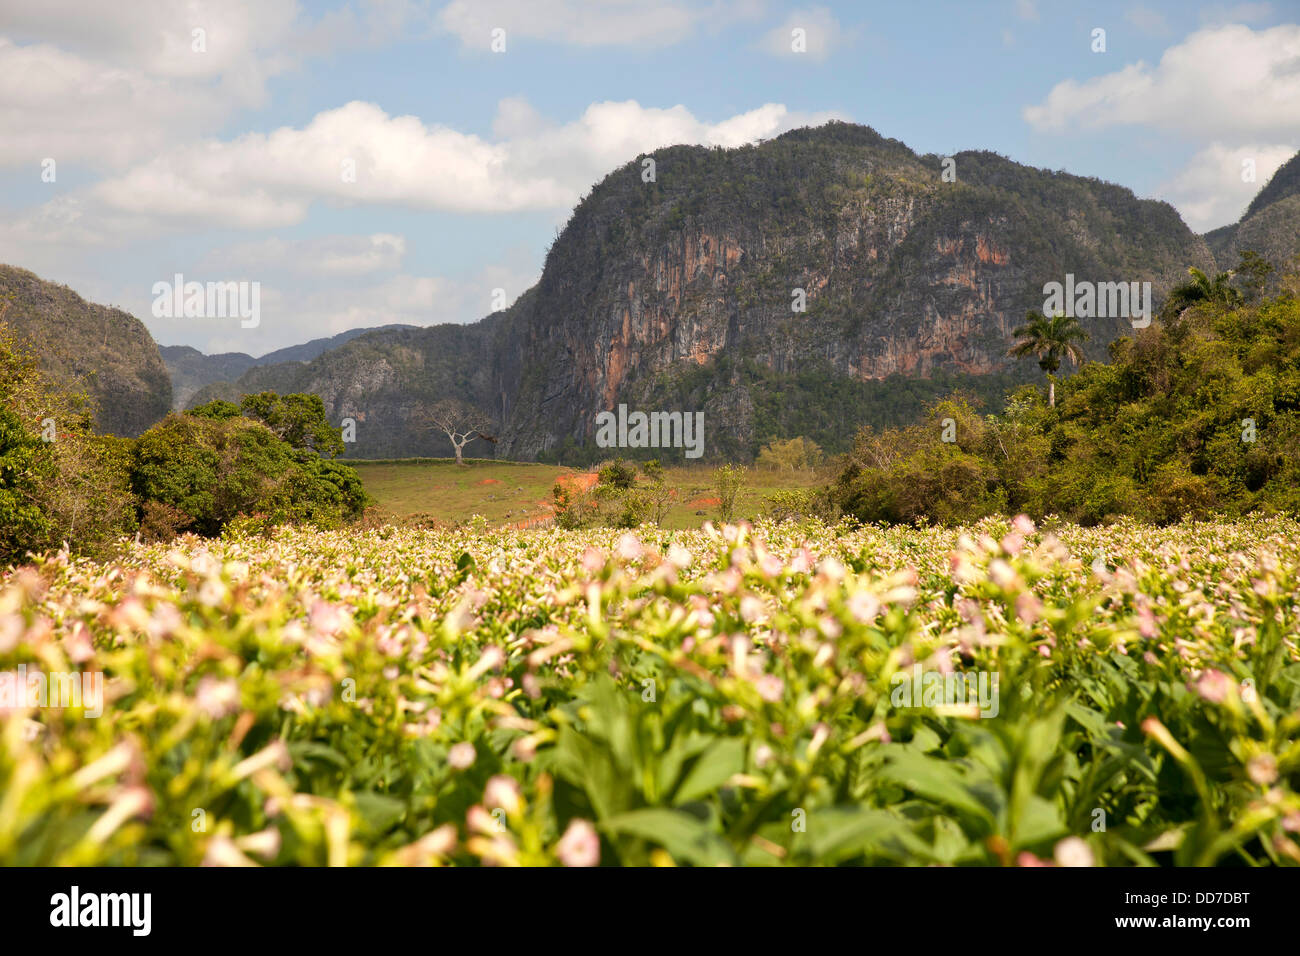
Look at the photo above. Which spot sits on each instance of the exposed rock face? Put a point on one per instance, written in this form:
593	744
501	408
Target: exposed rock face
677	289
104	351
902	273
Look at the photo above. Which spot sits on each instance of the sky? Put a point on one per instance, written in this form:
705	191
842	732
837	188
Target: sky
376	161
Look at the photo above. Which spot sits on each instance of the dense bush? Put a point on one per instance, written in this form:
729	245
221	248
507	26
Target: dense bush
789	455
620	498
1193	416
211	469
59	481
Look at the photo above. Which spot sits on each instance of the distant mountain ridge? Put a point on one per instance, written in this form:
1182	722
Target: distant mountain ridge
1270	225
102	350
192	370
678	293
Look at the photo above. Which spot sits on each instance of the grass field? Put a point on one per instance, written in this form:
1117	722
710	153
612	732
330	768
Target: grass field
507	492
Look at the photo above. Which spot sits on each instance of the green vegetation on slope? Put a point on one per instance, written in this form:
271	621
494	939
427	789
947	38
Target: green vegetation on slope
1196	415
84	347
62	483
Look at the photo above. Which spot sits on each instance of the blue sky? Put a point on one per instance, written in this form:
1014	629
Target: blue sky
218	155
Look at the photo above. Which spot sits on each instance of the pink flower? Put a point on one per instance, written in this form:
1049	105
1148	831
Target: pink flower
478	820
217	698
1213	685
78	645
1003	575
532	686
629	547
221	851
1028	607
1028	859
461	756
679	556
264	843
1262	769
1072	851
503	792
580	845
864	607
770	688
325	618
490	660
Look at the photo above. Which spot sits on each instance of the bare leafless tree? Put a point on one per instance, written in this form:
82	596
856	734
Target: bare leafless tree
460	422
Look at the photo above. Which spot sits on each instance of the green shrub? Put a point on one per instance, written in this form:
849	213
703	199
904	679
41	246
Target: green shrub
792	455
59	482
214	469
728	481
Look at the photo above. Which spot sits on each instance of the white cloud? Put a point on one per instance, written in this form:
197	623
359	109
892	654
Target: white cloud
646	23
157	36
1223	82
317	256
262	181
291	314
821	36
105	84
1209	191
56	104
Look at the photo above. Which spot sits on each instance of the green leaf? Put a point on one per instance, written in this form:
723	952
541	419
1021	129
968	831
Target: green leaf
686	838
379	811
841	833
723	759
938	780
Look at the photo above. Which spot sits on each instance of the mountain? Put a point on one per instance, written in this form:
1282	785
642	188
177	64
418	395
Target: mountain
384	379
1270	225
105	351
677	294
191	370
905	274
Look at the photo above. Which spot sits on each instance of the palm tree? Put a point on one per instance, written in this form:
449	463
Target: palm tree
1201	288
1049	340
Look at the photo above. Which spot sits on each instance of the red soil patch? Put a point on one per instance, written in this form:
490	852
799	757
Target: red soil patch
489	481
703	502
578	481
